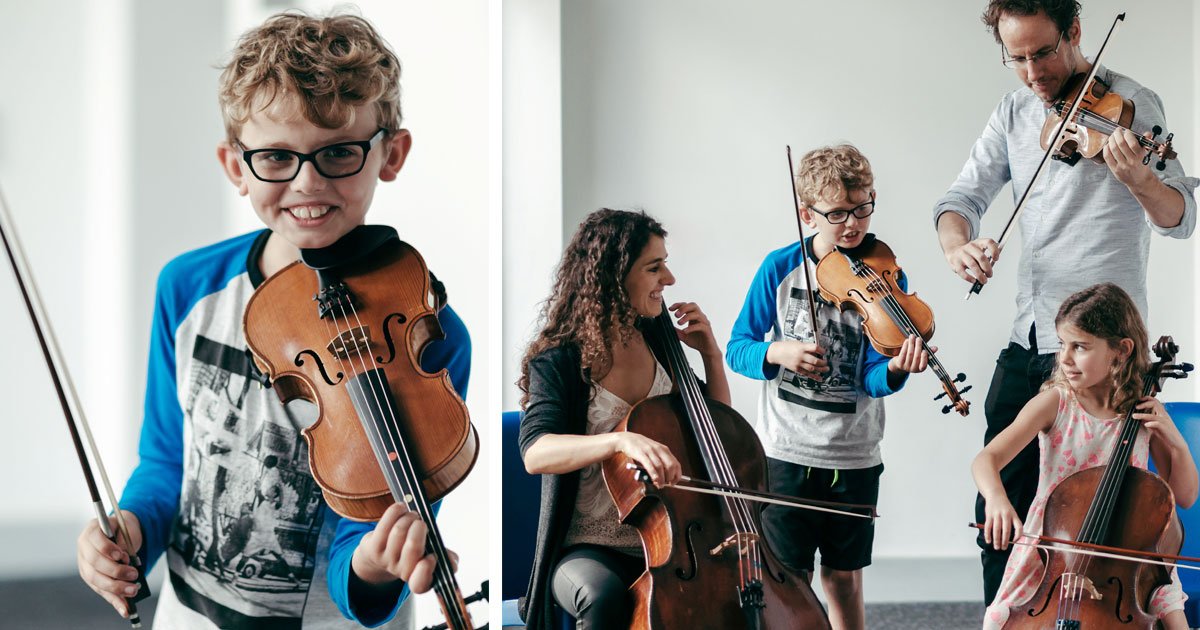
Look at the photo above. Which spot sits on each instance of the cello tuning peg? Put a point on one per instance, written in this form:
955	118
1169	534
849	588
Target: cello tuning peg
1185	368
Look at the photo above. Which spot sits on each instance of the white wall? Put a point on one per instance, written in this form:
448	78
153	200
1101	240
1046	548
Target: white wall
108	129
684	108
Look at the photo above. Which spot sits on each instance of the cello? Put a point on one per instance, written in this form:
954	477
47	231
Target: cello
1115	507
707	563
344	329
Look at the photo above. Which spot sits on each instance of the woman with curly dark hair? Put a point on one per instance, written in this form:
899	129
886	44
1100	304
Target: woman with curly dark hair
586	367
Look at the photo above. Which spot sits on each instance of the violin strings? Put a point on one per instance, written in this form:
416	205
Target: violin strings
1100	123
898	315
708	439
391	475
443	572
443	578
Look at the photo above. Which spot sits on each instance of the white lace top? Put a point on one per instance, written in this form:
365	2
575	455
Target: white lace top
594	520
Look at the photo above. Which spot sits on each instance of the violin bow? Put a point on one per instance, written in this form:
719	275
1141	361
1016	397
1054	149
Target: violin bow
1004	234
808	277
72	409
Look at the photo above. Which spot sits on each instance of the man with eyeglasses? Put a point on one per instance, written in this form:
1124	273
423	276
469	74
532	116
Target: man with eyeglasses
1082	225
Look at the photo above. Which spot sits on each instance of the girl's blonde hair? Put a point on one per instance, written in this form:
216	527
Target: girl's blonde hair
1106	311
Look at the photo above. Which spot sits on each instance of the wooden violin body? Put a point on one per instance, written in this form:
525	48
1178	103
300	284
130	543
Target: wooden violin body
1101	112
1144	520
376	349
866	279
840	283
685	585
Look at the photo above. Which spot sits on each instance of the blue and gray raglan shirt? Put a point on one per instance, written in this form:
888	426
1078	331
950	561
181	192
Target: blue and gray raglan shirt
834	423
223	485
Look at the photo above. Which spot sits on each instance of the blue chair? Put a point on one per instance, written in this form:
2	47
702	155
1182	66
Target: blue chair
519	520
1187	417
519	523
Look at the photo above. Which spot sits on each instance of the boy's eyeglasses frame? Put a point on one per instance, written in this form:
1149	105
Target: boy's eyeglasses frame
301	158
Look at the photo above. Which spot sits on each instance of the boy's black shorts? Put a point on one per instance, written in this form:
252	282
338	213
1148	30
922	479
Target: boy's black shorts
795	534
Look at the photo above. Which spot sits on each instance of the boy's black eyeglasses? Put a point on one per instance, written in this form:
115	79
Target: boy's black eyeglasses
861	211
332	162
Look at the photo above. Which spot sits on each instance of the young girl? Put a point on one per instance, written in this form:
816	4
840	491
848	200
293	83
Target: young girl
587	366
1077	418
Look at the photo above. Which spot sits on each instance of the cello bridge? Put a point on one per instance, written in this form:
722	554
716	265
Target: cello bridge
742	540
1078	584
350	344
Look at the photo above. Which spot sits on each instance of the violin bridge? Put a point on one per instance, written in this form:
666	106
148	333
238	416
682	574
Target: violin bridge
742	540
353	343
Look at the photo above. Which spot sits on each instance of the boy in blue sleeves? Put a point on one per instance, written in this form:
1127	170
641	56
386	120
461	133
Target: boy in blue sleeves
820	419
223	486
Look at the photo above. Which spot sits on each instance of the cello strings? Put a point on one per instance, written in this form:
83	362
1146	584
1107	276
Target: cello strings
689	390
442	576
705	431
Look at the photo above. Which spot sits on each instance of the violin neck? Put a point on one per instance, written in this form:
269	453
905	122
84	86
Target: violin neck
378	411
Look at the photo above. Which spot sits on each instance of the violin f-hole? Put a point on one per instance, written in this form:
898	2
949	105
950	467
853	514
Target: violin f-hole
387	336
299	361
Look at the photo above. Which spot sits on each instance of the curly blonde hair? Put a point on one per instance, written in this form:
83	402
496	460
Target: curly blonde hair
827	172
588	304
1106	311
327	65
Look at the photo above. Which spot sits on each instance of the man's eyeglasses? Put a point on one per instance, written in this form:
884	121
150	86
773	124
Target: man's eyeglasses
861	211
332	162
1041	55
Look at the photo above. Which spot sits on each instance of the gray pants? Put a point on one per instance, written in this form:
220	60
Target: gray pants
592	583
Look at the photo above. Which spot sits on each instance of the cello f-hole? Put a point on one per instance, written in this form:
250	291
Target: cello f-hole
691	552
1120	598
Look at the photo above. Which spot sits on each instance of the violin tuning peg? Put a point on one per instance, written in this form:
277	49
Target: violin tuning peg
1156	130
940	396
960	378
1146	159
1170	136
965	389
1161	165
947	409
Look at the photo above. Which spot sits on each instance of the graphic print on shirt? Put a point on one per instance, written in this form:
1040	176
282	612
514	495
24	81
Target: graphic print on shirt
842	344
246	544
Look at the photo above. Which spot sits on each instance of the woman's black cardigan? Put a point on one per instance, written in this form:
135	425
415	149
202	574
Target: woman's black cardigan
559	392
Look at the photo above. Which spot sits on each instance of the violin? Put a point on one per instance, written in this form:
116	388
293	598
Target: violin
865	279
707	564
1115	507
344	329
1101	112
